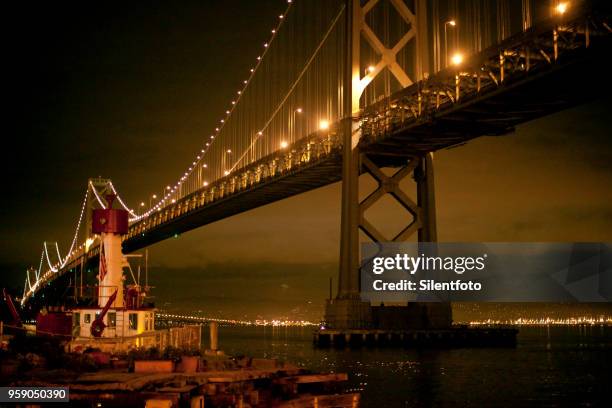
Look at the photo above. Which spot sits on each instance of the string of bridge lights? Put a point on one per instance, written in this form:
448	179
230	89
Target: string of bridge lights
28	287
37	274
170	190
61	261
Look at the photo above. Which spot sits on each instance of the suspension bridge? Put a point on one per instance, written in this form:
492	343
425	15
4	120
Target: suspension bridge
347	87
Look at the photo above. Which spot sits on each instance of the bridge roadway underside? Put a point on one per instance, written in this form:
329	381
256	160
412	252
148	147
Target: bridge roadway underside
497	113
303	178
494	112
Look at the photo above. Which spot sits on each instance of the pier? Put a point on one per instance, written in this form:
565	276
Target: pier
429	338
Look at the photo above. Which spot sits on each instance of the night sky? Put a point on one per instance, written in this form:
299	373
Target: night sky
130	91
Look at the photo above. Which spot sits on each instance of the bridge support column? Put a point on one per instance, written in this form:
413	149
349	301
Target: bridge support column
347	310
438	315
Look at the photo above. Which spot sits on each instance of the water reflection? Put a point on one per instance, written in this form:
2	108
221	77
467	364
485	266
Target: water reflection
560	365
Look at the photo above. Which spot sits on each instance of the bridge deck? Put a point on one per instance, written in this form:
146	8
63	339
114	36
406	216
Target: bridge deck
300	179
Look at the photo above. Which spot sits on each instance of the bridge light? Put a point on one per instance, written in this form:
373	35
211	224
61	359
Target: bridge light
452	22
154	196
168	187
88	243
298	110
371	69
226	172
324	125
142	204
205	183
173	201
229	151
204	165
284	144
457	58
561	8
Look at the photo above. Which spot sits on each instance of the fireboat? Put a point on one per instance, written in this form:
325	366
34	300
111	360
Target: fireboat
118	316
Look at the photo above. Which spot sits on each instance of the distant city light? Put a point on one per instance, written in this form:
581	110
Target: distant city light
257	322
545	321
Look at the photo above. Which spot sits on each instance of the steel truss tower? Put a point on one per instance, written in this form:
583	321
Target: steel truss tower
347	310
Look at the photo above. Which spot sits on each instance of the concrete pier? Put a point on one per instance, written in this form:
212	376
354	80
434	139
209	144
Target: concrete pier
455	337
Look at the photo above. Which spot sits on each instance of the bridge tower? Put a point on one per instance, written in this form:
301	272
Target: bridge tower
347	310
